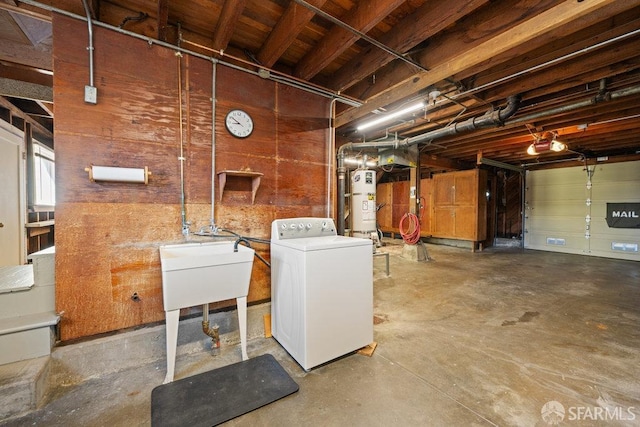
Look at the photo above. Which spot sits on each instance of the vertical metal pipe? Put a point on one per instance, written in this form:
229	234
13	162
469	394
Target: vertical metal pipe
90	48
331	157
205	312
181	158
342	172
212	224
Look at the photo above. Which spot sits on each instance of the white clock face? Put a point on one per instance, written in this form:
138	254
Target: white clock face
239	123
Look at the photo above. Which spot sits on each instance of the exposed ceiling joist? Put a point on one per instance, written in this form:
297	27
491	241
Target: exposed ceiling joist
285	31
231	11
363	17
425	22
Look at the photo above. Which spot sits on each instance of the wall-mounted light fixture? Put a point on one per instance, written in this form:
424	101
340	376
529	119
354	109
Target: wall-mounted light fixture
546	142
388	117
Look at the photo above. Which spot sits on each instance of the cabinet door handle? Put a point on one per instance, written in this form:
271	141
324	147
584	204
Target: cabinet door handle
1	225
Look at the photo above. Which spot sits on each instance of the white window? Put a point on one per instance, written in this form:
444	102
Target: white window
44	168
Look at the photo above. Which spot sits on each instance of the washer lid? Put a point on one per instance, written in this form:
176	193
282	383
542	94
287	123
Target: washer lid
322	243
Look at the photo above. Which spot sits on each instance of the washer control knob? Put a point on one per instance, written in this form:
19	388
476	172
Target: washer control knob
324	225
309	226
283	226
293	226
301	226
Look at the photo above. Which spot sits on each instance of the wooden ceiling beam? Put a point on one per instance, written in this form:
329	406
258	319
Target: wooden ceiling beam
470	33
163	19
229	16
25	74
562	47
363	18
35	13
429	19
587	69
289	26
562	15
465	35
27	55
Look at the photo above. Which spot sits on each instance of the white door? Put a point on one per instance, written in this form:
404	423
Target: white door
12	197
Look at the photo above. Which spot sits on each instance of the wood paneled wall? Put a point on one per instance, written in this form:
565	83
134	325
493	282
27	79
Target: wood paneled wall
108	234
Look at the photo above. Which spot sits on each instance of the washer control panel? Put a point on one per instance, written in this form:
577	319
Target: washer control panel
296	228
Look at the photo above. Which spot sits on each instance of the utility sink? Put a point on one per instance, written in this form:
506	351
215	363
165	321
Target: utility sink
201	273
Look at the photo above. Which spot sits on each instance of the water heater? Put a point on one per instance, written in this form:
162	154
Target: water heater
363	203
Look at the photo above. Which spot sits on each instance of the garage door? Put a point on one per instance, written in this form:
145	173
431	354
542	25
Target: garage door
566	210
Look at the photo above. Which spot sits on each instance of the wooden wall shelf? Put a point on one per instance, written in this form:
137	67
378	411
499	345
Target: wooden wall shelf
255	180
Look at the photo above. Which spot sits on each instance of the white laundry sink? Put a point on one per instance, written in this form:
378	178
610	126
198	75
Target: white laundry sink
201	273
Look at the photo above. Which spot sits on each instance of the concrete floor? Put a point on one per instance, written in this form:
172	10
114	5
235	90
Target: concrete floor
466	339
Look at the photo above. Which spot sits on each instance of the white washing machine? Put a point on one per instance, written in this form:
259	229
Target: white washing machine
321	290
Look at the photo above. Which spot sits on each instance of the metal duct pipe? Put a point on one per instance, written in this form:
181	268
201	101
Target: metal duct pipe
600	97
495	118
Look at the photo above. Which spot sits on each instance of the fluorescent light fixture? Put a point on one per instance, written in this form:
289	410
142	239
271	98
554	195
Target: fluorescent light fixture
389	117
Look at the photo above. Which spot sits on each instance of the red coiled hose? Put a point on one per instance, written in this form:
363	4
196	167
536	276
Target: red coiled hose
412	235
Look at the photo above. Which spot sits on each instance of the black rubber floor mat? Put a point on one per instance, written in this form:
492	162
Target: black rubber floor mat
217	396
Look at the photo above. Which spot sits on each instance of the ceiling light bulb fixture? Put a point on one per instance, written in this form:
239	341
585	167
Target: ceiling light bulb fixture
558	146
546	142
391	116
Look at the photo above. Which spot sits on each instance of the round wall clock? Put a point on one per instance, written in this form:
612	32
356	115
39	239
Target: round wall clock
239	123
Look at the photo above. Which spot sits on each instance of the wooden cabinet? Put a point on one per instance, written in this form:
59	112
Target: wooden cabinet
459	209
384	198
394	196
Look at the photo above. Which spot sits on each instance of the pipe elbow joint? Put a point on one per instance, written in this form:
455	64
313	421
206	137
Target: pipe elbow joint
513	103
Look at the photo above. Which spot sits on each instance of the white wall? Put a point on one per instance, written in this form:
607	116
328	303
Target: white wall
557	205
